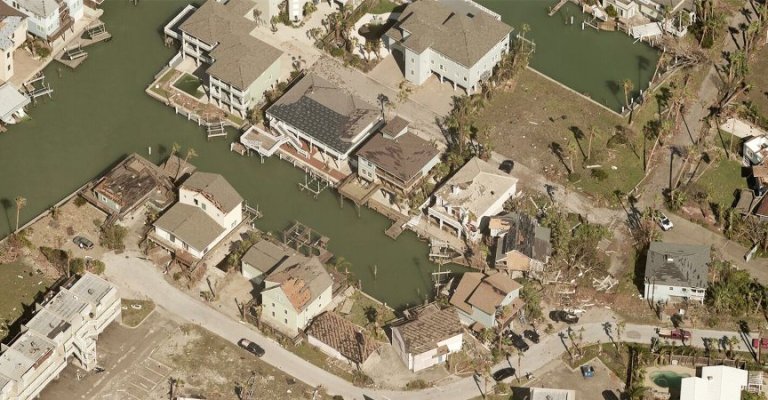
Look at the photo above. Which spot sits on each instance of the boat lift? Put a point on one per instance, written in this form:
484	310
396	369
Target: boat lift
77	52
215	129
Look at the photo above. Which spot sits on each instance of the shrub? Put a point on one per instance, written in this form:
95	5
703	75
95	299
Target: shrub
416	384
177	275
599	174
77	266
97	267
113	237
611	11
80	201
501	388
574	177
337	52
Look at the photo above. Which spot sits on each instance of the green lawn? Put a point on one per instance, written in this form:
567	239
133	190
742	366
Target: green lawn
134	312
723	180
20	284
189	84
383	6
359	307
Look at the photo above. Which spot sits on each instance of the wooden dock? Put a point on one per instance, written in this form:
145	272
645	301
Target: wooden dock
73	55
557	7
397	228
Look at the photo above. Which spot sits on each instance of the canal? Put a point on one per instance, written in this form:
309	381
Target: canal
590	62
100	113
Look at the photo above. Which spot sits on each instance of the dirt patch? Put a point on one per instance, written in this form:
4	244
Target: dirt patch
59	228
21	285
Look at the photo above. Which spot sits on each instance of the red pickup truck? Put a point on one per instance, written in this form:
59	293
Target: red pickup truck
675	334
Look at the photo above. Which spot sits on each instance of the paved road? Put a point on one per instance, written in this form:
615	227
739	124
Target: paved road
137	277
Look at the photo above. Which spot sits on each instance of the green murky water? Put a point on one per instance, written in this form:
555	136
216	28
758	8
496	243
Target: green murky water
590	62
99	113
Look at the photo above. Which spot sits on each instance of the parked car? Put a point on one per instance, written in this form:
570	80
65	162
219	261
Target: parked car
503	373
253	348
531	335
518	342
664	222
83	242
587	371
674	334
567	317
507	166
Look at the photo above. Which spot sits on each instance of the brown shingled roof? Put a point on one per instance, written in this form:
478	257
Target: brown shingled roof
345	337
302	279
432	325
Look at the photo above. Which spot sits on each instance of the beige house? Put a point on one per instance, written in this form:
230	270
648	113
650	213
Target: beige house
64	328
456	41
294	293
427	337
208	210
240	67
341	339
13	33
473	194
487	301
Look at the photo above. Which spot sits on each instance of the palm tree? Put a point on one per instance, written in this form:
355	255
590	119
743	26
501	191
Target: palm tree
191	153
593	130
628	87
21	202
571	154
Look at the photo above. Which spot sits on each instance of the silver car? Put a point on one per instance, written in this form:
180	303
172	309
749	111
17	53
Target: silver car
664	222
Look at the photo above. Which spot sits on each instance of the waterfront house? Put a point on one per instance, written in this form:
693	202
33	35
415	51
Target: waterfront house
396	157
12	103
319	116
299	289
714	383
522	245
134	182
50	19
755	149
13	33
474	193
674	272
341	339
457	42
675	15
262	258
208	210
537	393
64	328
427	336
487	301
239	67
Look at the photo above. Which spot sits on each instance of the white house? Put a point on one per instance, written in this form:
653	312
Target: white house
396	157
240	67
320	116
457	42
551	394
674	272
65	327
474	193
12	103
715	383
294	293
755	149
675	15
13	33
209	208
49	19
487	301
428	337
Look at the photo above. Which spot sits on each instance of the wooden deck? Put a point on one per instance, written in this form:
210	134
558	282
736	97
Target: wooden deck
397	228
557	7
79	44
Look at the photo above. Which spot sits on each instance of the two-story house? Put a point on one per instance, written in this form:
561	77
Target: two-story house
50	20
674	272
320	116
475	192
396	157
64	328
13	33
240	67
455	41
427	336
263	258
299	289
487	301
522	244
675	15
208	210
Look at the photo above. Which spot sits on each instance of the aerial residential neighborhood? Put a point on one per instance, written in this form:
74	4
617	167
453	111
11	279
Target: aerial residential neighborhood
384	199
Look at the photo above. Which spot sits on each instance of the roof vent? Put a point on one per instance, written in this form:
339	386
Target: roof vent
670	259
90	291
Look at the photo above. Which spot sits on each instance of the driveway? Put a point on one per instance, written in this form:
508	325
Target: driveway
135	276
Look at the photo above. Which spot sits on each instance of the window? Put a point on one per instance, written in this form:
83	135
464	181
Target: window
286	321
202	205
8	55
196	202
273	314
285	311
9	67
273	305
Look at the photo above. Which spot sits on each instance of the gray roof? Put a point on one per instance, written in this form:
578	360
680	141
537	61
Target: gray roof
240	58
677	264
265	255
464	37
41	8
191	225
525	236
8	26
215	188
328	113
403	157
11	100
